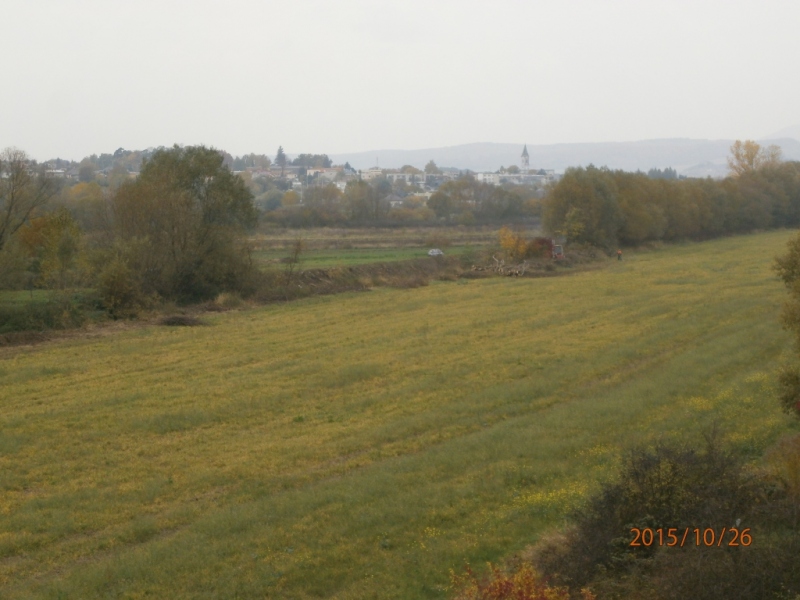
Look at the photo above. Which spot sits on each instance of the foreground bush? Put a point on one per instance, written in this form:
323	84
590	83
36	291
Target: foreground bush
682	488
522	583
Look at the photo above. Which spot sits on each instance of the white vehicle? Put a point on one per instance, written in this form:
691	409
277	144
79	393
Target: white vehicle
435	252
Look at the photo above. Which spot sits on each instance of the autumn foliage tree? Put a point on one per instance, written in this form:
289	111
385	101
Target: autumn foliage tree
750	156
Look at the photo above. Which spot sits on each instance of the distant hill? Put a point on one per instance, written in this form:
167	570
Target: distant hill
792	132
698	158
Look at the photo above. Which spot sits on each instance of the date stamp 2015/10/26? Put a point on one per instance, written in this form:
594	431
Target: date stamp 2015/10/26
700	537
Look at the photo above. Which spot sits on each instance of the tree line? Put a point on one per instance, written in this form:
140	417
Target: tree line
606	208
381	202
176	232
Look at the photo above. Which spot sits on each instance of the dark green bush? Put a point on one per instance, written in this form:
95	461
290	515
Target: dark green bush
121	290
60	311
669	487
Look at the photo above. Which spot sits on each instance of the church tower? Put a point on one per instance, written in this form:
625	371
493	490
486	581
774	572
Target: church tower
524	161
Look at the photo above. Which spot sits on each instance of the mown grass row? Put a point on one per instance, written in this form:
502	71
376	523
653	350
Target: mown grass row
361	445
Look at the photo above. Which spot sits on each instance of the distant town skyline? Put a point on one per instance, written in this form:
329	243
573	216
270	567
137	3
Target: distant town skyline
85	76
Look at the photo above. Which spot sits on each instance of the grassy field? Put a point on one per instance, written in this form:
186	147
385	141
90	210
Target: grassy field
327	258
399	237
21	298
361	445
331	247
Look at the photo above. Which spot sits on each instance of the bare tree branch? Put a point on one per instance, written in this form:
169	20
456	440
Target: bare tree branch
23	189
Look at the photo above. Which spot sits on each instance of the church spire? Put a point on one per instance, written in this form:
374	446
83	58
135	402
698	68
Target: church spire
524	160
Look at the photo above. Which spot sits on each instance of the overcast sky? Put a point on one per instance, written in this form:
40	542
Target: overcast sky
82	77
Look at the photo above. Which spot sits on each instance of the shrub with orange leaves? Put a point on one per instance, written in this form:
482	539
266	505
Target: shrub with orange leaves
519	248
513	243
522	583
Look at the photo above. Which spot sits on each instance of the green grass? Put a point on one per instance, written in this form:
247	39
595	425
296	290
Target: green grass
22	298
342	247
326	258
361	445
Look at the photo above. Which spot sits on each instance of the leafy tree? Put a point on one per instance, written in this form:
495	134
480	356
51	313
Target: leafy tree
319	161
494	203
432	169
643	219
270	200
54	241
382	186
23	189
441	204
585	207
363	203
599	206
280	159
749	156
14	262
87	203
179	226
668	173
290	198
117	176
86	171
251	161
227	159
323	196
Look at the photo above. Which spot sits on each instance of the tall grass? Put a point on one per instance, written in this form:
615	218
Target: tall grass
361	445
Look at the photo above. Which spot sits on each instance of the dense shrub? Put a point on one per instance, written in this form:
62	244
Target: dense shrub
60	311
121	290
788	269
518	247
680	488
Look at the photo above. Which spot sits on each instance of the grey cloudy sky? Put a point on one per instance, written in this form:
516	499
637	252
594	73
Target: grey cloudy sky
336	76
